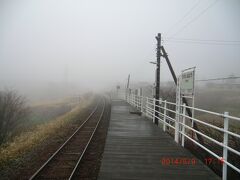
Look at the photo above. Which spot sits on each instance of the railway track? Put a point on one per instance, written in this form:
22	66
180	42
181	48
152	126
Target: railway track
65	161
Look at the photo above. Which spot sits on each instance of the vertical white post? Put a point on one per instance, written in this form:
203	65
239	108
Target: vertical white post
178	107
138	98
146	106
153	113
164	116
225	142
183	126
139	106
131	99
193	96
142	104
177	127
193	105
137	102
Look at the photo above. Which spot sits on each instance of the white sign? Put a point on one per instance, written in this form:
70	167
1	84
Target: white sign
187	82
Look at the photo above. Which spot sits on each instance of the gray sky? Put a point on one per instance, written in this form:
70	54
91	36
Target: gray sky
100	42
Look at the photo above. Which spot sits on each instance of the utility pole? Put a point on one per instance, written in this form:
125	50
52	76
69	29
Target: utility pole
157	94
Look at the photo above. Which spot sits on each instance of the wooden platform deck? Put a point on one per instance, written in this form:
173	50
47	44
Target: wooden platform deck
135	149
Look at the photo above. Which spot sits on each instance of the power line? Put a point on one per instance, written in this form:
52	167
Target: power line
203	42
195	18
186	14
217	79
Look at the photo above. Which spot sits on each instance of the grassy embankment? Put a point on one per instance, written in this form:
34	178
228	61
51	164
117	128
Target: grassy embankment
27	140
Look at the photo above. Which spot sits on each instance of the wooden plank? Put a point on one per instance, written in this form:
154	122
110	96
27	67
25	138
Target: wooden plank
135	148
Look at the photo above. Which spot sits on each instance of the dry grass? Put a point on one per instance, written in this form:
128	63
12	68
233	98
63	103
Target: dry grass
55	102
27	140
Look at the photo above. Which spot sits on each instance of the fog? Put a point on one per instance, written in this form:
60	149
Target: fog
48	47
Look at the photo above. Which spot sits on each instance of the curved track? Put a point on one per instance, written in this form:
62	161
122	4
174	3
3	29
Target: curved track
64	162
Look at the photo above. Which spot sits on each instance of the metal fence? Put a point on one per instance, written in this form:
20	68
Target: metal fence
181	129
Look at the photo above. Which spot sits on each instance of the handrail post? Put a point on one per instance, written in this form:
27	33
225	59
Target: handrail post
183	126
142	104
176	136
164	116
146	106
137	102
131	99
225	142
153	113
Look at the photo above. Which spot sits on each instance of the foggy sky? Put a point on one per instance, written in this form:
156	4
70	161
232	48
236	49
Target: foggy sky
94	44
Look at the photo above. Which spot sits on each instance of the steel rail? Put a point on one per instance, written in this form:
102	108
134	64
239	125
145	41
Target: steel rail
64	144
90	139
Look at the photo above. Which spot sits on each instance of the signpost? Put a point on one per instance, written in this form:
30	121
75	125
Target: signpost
187	85
185	89
187	82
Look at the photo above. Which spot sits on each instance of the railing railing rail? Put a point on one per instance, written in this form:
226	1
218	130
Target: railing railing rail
148	105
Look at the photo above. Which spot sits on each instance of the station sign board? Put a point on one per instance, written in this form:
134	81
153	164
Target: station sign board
187	82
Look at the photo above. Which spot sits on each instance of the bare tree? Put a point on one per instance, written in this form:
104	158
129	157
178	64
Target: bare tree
13	113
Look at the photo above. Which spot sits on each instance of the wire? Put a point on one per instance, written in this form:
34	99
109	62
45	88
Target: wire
217	79
186	14
195	18
203	40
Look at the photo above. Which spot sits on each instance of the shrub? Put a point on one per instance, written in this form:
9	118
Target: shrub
13	114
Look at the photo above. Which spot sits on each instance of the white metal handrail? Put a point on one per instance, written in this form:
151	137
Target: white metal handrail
148	108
